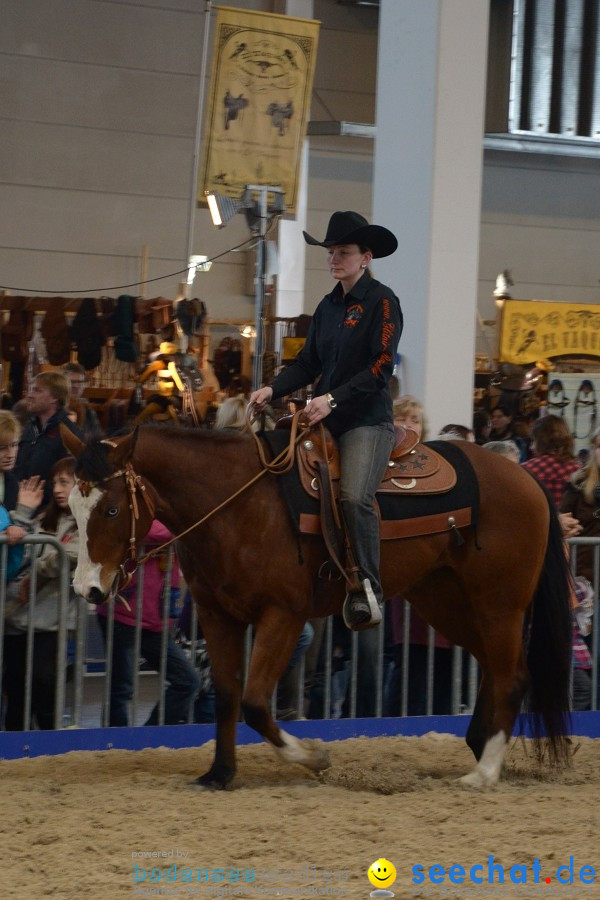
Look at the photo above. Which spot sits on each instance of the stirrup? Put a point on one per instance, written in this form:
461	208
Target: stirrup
361	609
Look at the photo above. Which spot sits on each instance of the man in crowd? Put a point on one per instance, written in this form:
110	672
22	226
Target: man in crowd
79	411
41	444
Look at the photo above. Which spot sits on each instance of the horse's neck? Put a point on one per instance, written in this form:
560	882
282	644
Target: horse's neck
163	461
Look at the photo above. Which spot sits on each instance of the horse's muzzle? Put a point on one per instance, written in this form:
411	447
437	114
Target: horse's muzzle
95	595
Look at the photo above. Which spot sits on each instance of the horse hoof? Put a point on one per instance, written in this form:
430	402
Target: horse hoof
308	753
476	780
200	785
212	781
319	757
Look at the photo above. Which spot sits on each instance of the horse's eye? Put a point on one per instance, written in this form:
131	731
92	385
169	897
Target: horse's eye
112	511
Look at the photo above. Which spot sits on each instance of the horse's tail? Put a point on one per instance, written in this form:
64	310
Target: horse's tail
549	643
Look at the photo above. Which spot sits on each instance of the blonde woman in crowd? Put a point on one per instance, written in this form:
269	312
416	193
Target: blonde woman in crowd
18	501
409	413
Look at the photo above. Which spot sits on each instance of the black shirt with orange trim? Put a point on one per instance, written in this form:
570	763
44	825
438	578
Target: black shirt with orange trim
350	348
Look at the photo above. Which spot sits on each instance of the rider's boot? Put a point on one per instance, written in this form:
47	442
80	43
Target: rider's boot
361	609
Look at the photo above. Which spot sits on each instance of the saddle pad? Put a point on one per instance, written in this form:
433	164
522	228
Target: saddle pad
437	507
430	512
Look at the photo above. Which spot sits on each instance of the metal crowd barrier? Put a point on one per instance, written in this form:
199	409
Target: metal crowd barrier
65	578
316	668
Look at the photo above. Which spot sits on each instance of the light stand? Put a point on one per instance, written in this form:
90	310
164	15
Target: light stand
258	214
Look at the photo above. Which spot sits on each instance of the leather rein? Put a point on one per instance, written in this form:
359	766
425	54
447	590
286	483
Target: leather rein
135	483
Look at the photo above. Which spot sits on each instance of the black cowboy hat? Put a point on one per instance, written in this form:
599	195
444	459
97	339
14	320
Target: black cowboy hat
352	228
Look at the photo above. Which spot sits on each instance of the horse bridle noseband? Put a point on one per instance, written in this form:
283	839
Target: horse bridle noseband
134	484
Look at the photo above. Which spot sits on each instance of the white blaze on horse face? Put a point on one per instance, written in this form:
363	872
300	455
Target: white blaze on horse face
87	573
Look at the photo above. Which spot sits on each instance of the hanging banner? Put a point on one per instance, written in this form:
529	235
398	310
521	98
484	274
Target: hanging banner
536	329
261	83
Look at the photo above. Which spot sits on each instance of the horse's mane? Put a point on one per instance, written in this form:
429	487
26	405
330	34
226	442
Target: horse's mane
179	432
93	465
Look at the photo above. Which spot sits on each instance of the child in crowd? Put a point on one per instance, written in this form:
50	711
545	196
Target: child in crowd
182	679
56	520
15	514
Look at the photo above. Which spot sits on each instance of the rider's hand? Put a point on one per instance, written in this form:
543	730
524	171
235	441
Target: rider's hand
261	397
317	410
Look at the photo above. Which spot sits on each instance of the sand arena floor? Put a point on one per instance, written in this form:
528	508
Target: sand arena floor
71	823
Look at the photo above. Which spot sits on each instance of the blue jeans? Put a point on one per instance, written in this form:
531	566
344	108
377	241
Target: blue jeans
364	455
182	679
304	642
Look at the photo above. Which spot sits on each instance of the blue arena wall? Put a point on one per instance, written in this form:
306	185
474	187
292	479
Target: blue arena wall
23	744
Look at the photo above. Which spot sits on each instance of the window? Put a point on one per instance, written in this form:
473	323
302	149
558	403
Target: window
544	68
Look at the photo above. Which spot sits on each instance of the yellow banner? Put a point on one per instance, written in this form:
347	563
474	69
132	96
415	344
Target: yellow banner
535	329
262	74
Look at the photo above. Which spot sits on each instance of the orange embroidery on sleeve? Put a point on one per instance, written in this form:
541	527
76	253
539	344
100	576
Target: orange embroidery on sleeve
387	333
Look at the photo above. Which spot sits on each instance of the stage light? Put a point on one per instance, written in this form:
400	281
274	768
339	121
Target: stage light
221	207
197	263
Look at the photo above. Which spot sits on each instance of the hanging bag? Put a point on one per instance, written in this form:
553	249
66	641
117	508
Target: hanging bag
125	347
16	333
87	333
190	315
55	331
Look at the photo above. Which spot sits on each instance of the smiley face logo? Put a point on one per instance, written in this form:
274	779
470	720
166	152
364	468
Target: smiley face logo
381	873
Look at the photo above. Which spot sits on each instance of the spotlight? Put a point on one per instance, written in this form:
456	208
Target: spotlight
198	263
222	208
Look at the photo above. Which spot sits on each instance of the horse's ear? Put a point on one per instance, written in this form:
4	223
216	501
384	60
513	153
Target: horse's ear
123	448
73	444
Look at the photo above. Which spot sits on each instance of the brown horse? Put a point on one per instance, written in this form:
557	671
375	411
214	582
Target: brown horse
502	595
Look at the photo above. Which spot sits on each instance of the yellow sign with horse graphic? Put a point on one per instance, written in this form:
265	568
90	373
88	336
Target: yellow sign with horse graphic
536	329
263	67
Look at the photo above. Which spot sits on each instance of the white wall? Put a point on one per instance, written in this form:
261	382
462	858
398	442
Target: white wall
541	219
97	106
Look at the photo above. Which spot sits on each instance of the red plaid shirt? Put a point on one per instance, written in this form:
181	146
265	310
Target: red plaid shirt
553	473
581	657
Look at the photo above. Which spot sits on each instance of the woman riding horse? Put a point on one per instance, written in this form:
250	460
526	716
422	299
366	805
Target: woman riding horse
350	349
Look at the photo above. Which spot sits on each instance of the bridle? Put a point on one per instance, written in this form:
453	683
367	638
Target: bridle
134	483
